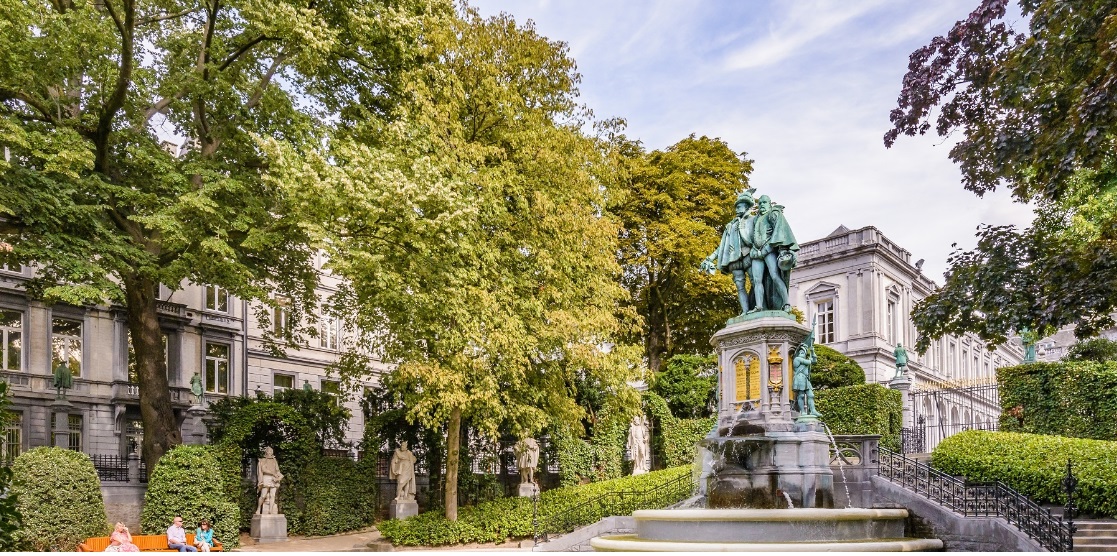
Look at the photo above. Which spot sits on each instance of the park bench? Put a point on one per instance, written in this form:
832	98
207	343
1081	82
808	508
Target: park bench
147	543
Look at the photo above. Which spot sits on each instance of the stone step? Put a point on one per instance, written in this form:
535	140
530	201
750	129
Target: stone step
1106	541
1093	548
1096	525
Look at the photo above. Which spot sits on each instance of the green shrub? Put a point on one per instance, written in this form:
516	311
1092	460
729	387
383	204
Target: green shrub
499	520
575	458
1066	399
10	518
863	409
687	385
1034	465
680	439
835	370
1093	349
59	496
190	481
335	495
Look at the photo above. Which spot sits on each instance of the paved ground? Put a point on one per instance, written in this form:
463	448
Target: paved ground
357	541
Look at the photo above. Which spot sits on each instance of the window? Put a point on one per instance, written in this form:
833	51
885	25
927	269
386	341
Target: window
890	322
133	376
133	436
333	388
13	436
73	424
217	299
975	367
217	368
12	267
327	332
279	320
280	383
825	312
65	344
953	360
11	340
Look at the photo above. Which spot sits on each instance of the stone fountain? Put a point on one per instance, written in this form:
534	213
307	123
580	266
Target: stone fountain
764	477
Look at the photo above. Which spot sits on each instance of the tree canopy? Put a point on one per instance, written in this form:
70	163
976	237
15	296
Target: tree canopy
1033	108
689	385
473	237
672	205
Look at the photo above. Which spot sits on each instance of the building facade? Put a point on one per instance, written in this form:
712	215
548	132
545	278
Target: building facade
206	331
860	288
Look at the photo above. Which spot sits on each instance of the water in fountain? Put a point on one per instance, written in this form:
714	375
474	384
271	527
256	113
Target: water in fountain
787	497
841	463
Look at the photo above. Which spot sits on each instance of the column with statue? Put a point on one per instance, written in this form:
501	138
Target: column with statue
268	523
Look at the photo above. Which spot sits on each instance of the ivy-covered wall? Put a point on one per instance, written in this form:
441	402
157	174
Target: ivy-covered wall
863	409
1066	399
675	440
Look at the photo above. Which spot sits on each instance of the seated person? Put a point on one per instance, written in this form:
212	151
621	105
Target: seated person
176	537
121	540
203	537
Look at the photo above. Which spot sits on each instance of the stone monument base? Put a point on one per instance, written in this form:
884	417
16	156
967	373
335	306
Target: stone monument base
403	509
528	489
776	470
269	528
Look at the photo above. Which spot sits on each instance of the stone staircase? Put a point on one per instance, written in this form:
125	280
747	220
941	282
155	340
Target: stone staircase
1096	536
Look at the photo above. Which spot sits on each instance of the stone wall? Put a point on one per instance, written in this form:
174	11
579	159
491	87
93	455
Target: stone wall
123	502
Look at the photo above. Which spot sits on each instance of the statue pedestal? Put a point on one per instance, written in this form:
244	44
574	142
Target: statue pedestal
763	454
195	431
903	384
528	490
269	528
60	425
402	509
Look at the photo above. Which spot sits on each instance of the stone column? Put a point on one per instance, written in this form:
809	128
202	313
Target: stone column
903	384
60	425
133	468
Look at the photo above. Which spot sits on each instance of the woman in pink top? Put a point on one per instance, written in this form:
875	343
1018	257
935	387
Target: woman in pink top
121	540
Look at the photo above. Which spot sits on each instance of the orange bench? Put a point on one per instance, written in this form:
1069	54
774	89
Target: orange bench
147	543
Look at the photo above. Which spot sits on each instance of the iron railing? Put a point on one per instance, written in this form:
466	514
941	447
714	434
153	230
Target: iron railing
620	502
971	499
110	468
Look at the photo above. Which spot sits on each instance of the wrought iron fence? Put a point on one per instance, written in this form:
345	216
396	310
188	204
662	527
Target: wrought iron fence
110	468
621	502
942	412
993	499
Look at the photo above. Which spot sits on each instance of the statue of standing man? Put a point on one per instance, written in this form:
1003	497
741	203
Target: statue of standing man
268	478
63	380
901	355
638	444
402	469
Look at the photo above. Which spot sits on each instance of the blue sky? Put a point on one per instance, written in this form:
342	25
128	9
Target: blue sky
804	87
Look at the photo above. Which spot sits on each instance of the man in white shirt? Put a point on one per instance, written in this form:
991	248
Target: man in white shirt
176	537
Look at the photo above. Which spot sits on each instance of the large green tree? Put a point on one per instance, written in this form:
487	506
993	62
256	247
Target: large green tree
474	239
672	205
90	88
1033	107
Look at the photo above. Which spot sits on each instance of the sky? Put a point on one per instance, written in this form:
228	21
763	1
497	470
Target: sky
803	87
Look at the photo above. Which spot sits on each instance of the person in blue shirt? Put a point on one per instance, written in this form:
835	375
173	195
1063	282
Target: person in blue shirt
203	537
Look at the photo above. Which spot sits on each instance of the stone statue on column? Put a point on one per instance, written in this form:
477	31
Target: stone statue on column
268	525
638	444
527	458
901	355
402	470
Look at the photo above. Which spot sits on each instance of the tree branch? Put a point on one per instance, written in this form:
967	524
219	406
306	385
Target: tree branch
264	82
165	17
240	51
123	81
162	105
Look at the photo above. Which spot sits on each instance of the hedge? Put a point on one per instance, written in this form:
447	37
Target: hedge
334	495
1035	465
499	520
58	494
835	369
1066	399
190	481
863	409
675	440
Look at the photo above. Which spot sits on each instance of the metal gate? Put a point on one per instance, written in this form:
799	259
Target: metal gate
938	413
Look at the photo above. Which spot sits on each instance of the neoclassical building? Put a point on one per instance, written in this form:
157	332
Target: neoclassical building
860	287
206	331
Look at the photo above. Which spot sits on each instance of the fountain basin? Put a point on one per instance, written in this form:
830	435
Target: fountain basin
767	530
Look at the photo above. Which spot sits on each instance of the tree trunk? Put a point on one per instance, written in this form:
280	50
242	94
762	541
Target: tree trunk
161	432
453	444
655	330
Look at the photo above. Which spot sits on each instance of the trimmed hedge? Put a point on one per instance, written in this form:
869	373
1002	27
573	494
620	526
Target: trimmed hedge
499	520
58	494
335	495
1066	399
190	481
675	440
863	409
834	369
1035	464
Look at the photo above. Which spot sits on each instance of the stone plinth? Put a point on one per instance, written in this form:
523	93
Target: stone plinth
402	509
755	374
194	429
269	528
528	489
